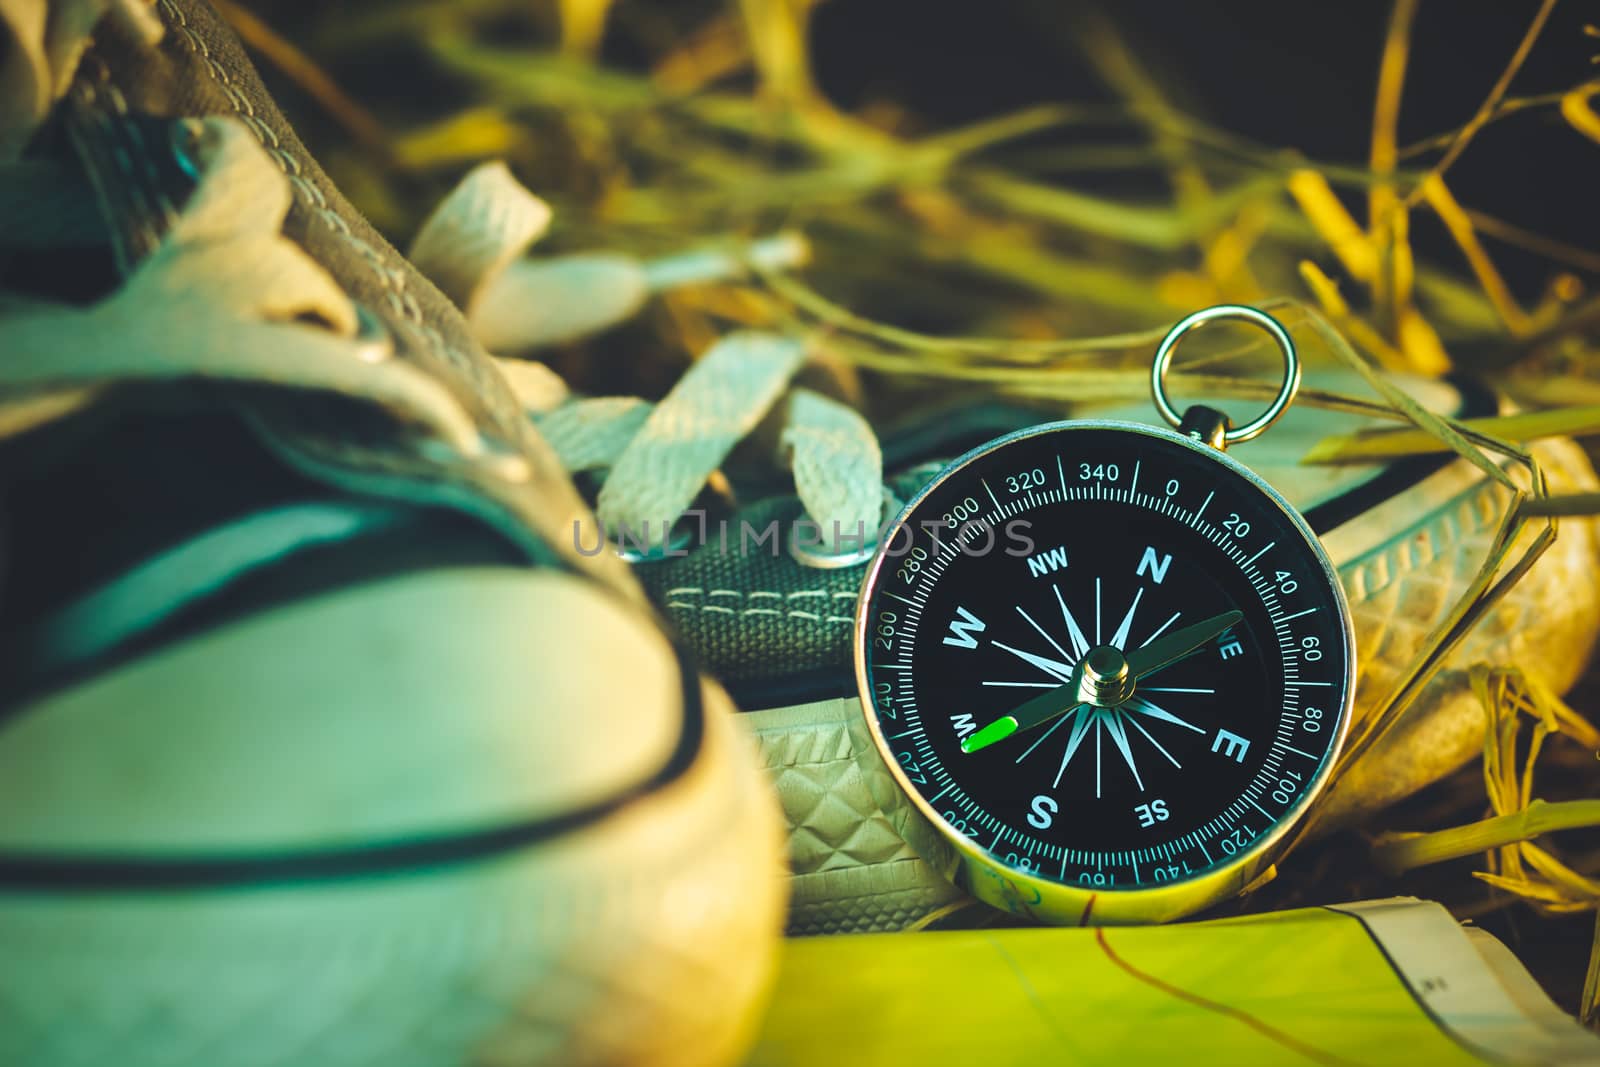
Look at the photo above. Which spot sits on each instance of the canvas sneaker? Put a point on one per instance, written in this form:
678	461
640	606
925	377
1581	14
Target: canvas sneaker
320	741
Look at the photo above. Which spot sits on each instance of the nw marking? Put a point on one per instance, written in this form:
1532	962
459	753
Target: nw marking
1043	563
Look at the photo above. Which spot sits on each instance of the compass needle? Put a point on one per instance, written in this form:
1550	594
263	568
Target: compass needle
1149	658
1169	611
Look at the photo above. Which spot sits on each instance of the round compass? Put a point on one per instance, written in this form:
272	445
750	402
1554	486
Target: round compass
1109	664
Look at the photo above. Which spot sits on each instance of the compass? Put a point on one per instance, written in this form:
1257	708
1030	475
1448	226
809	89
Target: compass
1108	663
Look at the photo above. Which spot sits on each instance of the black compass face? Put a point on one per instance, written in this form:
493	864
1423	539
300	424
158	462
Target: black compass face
1053	568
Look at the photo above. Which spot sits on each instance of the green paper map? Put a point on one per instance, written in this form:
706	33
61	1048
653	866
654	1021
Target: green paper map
1386	982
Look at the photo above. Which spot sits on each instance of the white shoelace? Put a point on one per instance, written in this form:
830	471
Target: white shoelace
226	295
655	458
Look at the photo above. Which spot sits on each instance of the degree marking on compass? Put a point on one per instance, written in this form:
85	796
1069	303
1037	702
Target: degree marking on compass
1062	474
1044	635
1166	689
1080	644
1031	685
992	499
1044	663
1296	615
1298	752
1306	683
1120	638
903	600
1203	506
1259	808
1161	629
1258	555
1133	486
942	792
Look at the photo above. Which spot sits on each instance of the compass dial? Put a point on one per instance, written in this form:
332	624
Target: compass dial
1166	632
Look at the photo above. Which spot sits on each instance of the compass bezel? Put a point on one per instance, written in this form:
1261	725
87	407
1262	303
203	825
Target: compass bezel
1048	900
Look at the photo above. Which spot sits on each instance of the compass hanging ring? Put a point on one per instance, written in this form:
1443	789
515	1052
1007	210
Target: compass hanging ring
1169	345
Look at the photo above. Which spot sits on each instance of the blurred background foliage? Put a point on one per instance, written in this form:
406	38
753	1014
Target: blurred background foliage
1019	196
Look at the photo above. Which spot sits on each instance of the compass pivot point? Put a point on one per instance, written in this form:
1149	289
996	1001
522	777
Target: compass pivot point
1103	677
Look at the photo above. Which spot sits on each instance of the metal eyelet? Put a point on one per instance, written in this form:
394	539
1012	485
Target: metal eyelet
674	547
814	556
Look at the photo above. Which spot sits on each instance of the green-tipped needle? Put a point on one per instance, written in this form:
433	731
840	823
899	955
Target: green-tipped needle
999	730
1138	664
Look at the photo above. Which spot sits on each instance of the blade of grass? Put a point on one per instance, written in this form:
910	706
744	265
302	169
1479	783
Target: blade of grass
1490	102
1382	445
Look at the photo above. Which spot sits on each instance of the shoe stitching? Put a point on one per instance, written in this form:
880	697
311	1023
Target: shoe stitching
793	613
400	300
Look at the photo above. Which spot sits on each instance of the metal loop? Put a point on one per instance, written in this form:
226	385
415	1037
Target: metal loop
1291	367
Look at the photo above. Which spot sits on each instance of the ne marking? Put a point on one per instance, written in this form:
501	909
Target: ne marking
1258	555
